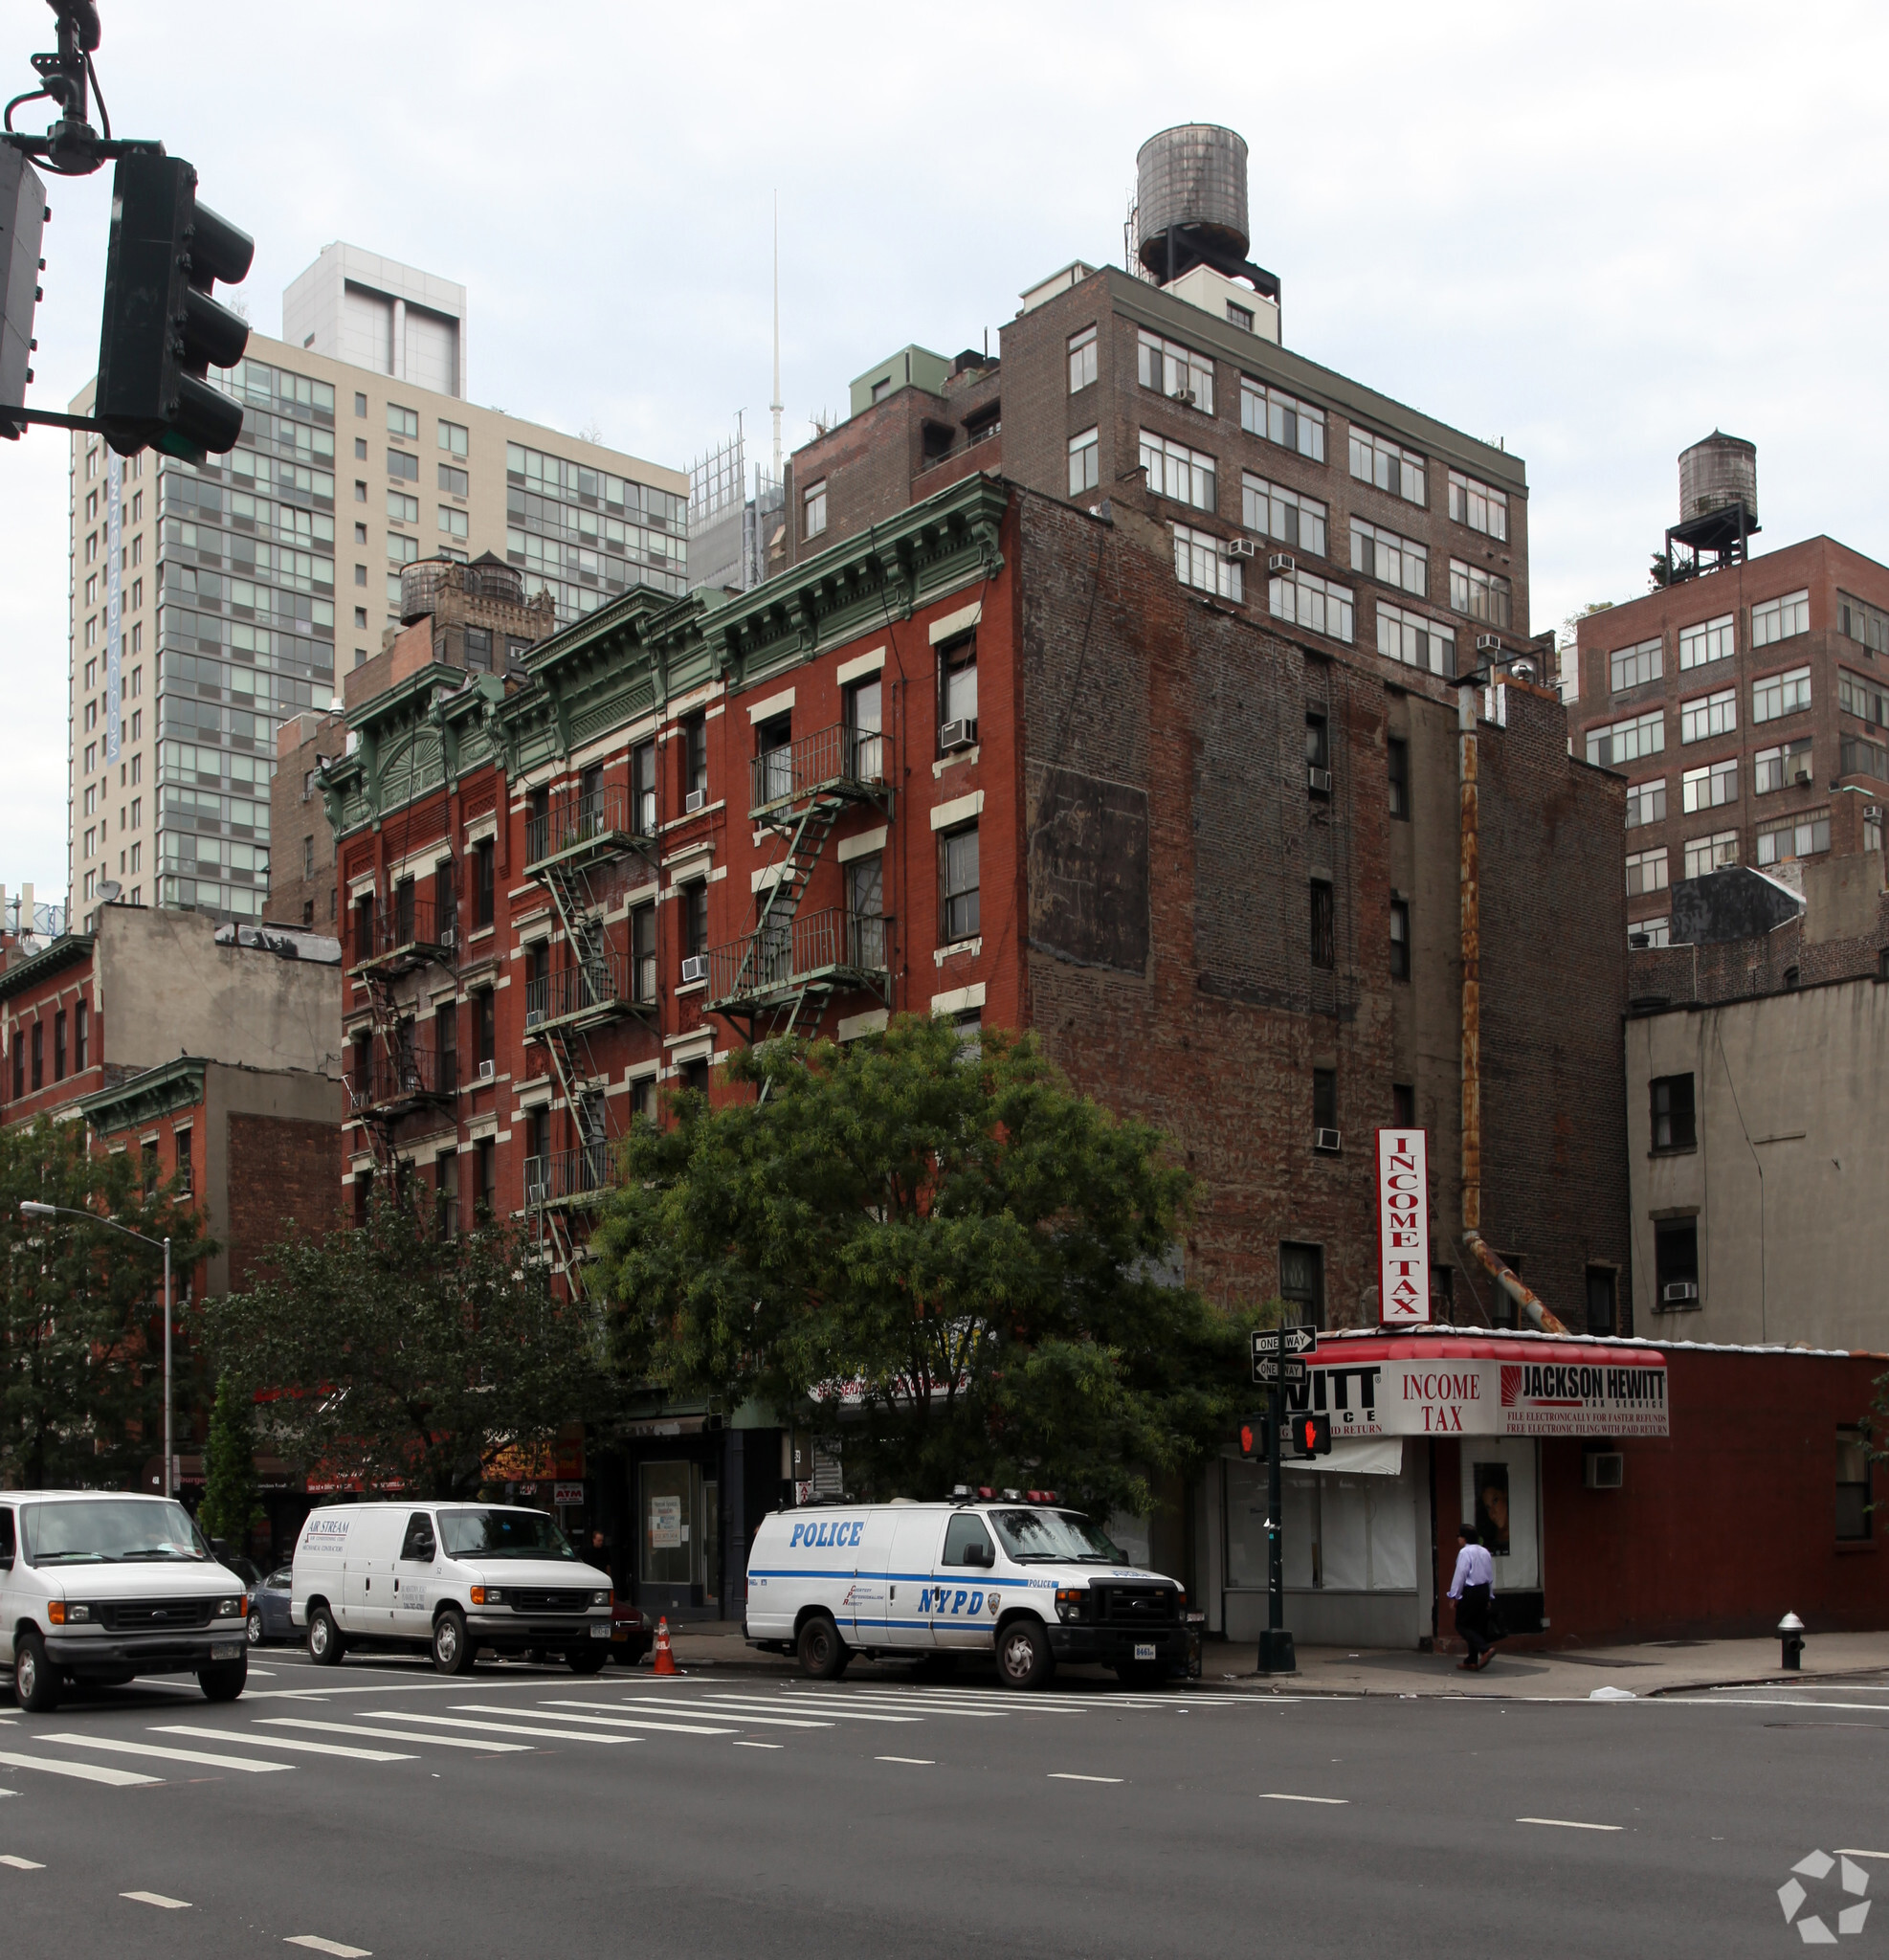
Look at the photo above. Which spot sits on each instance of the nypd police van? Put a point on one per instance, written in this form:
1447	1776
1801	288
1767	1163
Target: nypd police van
1031	1583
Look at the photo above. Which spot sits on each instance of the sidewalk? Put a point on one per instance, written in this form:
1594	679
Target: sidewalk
1659	1667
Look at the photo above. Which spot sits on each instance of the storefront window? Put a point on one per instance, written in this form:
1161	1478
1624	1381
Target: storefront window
667	1513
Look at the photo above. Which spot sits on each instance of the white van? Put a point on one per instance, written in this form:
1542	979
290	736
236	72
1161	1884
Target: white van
1030	1582
98	1585
452	1578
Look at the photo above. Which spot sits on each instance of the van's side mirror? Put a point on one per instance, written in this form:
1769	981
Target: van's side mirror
983	1554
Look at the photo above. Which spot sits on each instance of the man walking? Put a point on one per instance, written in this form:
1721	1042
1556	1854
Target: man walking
1473	1588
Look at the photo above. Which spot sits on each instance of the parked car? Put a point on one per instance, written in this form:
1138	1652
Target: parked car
269	1608
630	1637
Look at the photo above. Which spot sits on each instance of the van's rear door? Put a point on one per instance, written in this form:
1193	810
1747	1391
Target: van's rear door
909	1562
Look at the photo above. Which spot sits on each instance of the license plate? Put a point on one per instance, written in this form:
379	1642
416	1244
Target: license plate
226	1650
600	1630
1143	1650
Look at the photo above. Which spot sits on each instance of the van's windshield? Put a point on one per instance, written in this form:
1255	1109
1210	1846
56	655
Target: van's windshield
503	1535
110	1531
1055	1537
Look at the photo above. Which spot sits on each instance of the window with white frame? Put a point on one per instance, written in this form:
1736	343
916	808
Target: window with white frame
1084	461
1709	786
1176	371
814	510
1708	713
1781	694
1711	854
1782	618
1646	872
1861	698
1377	460
1646	802
1281	418
1795	836
1414	640
1187	475
1198	563
1313	603
1634	666
1711	639
1082	360
1873	827
1479	505
1788	766
1482	594
1650	931
1282	515
1393	560
1628	741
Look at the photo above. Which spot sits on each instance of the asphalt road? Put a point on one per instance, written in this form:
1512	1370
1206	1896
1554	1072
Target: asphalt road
381	1810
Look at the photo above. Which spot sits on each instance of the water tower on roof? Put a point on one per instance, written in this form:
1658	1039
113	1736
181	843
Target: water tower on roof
1718	501
1190	206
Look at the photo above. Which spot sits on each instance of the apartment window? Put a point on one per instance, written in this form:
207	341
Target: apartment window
1784	766
401	508
1318	741
1675	1262
1281	418
1711	787
642	789
1400	939
1781	694
19	1055
1084	461
1325	1099
1314	603
360	622
1856	756
1673	1128
455	482
642	955
695	755
1082	360
1403	1105
137	724
1854	1522
1708	713
446	1194
1711	854
957	880
1781	618
91	675
478	649
1628	741
1303	1283
446	1045
400	551
453	438
1646	802
39	1054
485	1182
695	919
1397	769
485	1025
881	389
402	422
865	907
1602	1281
1378	460
1634	666
1390	559
695	1076
81	1015
181	1144
1859	620
814	510
1861	698
1198	561
1711	639
1295	522
1186	475
452	523
1872	841
1479	505
359	487
1802	837
1323	943
401	465
642	1099
1176	371
1646	872
60	1046
308	857
483	881
1483	595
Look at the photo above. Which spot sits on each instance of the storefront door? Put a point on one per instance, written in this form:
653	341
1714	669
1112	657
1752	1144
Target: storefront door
1500	1486
668	1507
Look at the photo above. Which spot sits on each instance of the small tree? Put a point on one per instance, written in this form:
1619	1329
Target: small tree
393	1356
945	1259
230	1505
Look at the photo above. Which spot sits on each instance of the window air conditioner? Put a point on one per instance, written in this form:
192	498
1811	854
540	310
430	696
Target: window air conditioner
695	967
1680	1293
1318	779
536	1194
533	1015
696	799
1800	772
1488	643
1238	547
1603	1469
1326	1140
961	734
1282	563
1183	395
446	937
487	1070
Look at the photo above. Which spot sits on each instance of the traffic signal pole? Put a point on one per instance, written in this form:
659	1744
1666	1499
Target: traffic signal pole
1275	1654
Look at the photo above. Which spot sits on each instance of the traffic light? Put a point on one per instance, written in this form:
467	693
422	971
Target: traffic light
161	332
23	212
1309	1436
1252	1438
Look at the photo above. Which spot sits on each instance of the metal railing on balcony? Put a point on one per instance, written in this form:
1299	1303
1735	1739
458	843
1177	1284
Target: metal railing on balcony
411	925
599	985
851	761
566	1175
600	818
413	1072
835	946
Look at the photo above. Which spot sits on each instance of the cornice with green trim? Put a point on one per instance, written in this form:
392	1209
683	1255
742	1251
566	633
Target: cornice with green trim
143	1099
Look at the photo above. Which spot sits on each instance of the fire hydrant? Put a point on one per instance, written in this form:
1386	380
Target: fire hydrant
1791	1629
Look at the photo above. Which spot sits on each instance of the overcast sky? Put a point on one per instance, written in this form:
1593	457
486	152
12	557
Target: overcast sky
1595	234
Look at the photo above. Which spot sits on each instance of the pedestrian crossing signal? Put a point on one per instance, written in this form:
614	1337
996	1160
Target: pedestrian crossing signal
1310	1435
1252	1438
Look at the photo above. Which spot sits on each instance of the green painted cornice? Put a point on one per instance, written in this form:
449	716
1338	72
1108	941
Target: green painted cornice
145	1098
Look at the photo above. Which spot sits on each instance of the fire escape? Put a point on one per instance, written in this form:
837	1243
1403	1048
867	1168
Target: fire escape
776	979
573	838
396	1071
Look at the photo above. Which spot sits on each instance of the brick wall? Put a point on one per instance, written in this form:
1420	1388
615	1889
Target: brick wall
280	1169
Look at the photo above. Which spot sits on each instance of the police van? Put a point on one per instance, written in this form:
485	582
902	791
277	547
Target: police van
450	1579
1029	1582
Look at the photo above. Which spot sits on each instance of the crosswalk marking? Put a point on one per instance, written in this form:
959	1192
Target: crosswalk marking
284	1742
169	1905
616	1709
615	1718
441	1741
316	1944
120	1748
86	1772
843	1714
20	1865
499	1728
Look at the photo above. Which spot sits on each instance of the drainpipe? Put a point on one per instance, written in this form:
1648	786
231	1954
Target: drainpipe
1469	873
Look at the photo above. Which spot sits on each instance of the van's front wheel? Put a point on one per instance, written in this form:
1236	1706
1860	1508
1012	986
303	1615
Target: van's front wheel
1024	1659
223	1681
453	1650
35	1680
822	1654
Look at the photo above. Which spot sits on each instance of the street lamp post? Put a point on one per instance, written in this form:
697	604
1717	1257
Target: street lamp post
31	1208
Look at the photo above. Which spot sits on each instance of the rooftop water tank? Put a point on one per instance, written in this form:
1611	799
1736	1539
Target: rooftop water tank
1719	474
1192	176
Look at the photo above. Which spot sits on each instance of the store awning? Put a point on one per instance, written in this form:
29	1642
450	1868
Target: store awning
1459	1383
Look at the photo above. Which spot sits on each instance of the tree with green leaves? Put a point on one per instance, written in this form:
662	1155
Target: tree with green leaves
389	1355
230	1495
81	1312
937	1256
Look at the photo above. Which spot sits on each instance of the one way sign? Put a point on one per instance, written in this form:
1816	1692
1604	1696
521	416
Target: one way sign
1284	1341
1268	1368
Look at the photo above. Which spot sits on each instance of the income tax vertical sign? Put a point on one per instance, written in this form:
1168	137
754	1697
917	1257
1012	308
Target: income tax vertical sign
1403	1227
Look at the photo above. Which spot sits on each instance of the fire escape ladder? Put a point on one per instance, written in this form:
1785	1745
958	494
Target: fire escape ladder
773	925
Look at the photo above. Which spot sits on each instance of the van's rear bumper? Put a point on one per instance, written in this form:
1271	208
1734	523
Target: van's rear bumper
1115	1646
84	1654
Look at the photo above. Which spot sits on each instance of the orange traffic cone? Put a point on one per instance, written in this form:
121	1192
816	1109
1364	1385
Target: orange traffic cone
665	1659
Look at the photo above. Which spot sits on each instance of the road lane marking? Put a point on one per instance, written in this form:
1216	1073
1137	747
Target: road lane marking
316	1944
760	1745
499	1728
755	1702
283	1741
1071	1777
1840	1853
1774	1702
1569	1824
1287	1796
439	1742
201	1757
157	1899
26	1865
86	1772
916	1762
617	1709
